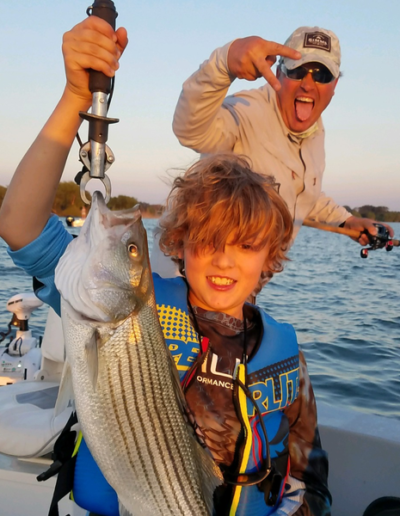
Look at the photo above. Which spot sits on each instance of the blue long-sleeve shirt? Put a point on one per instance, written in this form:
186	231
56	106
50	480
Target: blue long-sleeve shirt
41	265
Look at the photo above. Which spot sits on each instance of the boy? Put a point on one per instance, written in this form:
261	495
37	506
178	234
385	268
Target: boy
226	226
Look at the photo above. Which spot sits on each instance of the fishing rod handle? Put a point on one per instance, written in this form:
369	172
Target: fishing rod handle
352	233
104	9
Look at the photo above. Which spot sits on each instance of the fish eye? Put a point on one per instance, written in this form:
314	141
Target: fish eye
133	250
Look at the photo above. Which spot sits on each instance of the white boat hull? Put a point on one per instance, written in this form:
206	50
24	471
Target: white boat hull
364	457
364	464
21	494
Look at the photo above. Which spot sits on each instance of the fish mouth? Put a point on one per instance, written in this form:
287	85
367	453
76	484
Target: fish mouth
303	108
98	199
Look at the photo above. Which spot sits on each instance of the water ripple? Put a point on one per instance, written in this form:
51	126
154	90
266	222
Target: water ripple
346	312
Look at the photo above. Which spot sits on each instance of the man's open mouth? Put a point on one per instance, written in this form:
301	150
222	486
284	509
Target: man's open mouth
303	107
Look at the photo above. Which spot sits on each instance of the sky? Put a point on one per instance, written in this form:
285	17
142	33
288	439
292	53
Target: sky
168	40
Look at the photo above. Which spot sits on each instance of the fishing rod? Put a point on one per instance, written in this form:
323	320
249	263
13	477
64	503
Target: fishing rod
95	155
382	239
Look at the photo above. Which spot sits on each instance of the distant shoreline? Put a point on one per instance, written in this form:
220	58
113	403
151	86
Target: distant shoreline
145	215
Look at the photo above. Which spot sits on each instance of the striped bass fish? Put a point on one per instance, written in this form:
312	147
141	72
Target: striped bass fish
125	385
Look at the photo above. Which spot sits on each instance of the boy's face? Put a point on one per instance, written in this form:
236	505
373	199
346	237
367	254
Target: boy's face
222	280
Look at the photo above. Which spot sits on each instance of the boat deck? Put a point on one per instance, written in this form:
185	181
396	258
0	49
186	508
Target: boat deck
364	457
364	464
22	494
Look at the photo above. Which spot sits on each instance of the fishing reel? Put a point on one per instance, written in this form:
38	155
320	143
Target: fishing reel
378	241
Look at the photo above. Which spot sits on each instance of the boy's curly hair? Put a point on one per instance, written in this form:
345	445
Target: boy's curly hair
220	197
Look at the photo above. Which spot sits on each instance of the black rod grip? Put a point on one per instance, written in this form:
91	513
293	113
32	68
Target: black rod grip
104	9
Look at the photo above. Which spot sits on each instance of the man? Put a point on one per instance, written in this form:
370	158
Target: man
279	125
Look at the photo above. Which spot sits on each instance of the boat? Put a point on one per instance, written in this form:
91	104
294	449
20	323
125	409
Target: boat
364	449
74	222
28	427
20	358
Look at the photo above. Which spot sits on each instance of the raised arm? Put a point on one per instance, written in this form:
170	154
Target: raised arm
200	121
90	44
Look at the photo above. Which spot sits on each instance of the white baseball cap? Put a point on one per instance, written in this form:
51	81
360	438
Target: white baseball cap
315	45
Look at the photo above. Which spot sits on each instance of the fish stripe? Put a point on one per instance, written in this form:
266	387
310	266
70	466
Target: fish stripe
180	478
178	482
139	428
140	355
133	433
113	396
116	374
182	473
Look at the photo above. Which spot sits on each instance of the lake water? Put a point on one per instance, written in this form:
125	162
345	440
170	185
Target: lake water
346	312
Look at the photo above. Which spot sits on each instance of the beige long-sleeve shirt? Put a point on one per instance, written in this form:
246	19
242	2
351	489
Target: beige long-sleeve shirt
250	123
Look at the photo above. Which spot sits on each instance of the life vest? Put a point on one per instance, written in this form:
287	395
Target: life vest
272	377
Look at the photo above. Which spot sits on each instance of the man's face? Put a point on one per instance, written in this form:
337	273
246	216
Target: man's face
301	102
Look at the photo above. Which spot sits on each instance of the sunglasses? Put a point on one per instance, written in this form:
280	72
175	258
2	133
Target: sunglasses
319	74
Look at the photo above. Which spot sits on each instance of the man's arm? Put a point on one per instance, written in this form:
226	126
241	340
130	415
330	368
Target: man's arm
200	120
328	212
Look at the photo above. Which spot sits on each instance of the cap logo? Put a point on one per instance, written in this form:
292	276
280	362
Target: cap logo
317	40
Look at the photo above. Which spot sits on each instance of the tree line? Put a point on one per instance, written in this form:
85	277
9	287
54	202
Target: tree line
68	202
379	213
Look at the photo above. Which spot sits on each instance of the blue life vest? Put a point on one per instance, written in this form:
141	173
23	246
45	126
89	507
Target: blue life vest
272	377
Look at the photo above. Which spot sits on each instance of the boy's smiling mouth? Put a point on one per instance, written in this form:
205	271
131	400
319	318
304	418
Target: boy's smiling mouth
218	280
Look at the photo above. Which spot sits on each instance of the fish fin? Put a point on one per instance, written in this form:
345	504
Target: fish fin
122	511
66	392
92	359
210	473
